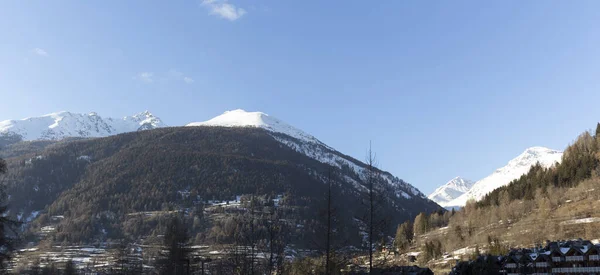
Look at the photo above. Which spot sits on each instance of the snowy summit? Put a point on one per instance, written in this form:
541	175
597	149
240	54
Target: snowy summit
451	190
59	125
241	118
306	144
503	176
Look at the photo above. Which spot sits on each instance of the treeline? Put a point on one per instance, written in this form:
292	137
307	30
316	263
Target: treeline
98	185
580	161
422	224
533	207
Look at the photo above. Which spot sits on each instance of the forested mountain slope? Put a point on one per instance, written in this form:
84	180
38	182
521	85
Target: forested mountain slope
94	188
546	203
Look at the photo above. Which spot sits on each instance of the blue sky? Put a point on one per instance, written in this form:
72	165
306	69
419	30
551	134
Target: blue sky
442	88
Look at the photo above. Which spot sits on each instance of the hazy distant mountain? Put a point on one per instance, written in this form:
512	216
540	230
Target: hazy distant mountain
451	190
503	176
59	125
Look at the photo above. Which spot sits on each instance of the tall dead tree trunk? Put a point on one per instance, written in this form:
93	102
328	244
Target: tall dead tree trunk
370	177
328	249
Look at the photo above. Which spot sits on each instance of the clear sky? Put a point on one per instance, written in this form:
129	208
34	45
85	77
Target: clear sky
442	88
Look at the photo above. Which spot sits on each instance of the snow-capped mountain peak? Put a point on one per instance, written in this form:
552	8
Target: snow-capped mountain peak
451	190
503	176
63	124
545	156
146	120
307	145
242	118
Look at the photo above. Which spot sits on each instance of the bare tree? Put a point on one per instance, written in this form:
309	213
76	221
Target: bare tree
328	234
277	234
242	255
375	222
371	163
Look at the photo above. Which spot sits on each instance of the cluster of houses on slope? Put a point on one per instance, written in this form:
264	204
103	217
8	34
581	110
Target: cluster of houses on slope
563	257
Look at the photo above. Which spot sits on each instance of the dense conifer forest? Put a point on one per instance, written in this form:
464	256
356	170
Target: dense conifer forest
101	187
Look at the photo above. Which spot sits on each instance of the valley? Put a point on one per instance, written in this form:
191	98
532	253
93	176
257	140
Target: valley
245	184
231	137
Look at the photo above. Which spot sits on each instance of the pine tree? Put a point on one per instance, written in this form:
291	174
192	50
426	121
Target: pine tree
476	253
8	226
175	260
122	257
35	267
70	268
49	269
329	217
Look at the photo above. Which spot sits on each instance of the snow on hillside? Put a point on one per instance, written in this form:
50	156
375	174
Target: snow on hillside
66	124
241	118
503	176
303	143
451	190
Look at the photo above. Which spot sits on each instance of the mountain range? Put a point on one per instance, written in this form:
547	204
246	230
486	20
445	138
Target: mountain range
456	194
59	125
98	186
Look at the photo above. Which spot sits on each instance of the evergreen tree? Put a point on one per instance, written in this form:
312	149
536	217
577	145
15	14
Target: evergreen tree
476	253
329	219
122	260
8	226
35	267
70	268
49	269
175	260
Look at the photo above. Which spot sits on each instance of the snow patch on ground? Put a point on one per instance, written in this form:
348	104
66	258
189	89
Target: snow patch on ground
463	251
32	216
580	221
85	158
